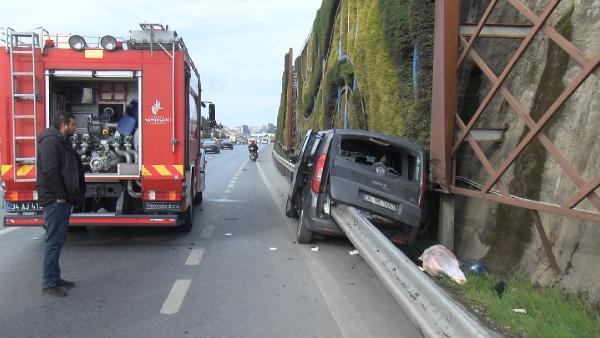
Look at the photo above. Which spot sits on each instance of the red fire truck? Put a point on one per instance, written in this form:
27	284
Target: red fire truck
136	104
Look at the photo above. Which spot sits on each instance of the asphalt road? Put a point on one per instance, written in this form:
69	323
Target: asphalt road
238	273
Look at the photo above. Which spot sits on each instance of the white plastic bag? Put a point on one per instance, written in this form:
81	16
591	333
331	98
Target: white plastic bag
437	260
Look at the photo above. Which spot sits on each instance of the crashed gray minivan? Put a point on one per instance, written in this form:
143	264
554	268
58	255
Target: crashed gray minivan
379	174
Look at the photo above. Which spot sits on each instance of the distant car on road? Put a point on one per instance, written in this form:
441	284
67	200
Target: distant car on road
226	144
382	175
211	146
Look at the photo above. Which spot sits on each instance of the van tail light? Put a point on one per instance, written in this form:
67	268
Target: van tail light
422	189
318	174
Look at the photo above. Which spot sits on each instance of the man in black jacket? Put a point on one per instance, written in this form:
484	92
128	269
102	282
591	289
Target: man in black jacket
60	188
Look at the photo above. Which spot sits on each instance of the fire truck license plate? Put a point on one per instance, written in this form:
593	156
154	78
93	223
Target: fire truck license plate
22	206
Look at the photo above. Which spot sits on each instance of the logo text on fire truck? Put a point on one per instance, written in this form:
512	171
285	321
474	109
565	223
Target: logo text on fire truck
157	119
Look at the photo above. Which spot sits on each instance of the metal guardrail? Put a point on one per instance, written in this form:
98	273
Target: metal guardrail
429	307
287	164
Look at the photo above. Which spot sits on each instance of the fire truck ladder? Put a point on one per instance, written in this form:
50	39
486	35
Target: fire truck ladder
16	46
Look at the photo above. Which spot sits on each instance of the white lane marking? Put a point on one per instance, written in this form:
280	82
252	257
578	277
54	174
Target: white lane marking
7	230
230	186
228	191
176	296
346	316
195	257
225	200
207	232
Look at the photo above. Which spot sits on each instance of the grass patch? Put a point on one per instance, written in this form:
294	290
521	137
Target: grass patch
550	312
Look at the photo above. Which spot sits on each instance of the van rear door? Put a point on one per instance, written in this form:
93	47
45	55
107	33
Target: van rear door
299	174
379	173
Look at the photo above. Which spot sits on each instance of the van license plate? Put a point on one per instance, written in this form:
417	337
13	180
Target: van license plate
379	202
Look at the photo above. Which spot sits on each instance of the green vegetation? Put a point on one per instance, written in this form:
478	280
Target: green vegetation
342	74
321	36
368	45
550	313
282	105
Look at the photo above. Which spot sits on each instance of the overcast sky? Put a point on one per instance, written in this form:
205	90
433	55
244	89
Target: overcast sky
237	45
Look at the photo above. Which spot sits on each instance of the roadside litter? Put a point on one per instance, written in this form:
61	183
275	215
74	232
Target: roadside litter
473	266
315	249
523	311
437	260
273	249
353	252
228	234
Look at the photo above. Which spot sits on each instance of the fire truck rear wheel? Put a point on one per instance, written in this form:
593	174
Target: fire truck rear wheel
188	215
198	197
187	218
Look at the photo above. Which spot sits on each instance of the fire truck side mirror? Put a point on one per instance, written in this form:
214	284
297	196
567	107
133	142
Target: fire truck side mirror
211	112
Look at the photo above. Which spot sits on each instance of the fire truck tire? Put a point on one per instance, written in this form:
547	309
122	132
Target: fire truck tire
187	218
188	215
198	198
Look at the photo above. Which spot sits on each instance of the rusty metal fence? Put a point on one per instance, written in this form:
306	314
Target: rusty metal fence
454	43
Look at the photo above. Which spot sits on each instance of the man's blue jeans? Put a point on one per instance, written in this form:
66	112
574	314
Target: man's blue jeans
57	225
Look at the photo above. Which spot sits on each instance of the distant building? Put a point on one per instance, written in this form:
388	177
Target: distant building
271	128
245	130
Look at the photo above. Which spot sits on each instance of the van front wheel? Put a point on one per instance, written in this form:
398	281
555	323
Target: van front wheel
303	234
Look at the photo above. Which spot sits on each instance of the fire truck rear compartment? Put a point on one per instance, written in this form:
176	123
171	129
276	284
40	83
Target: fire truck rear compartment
106	137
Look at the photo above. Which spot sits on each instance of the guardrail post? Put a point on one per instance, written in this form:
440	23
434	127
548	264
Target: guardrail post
446	228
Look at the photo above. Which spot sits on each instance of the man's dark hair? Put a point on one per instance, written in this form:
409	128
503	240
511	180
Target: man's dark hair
61	118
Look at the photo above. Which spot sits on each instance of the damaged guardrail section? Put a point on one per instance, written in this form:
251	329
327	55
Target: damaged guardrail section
427	305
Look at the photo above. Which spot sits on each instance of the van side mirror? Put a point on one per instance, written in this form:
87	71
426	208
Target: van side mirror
293	159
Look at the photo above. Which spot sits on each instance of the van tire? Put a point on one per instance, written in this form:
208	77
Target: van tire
303	234
289	210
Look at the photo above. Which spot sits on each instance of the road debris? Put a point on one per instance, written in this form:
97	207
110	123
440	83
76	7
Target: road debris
315	249
353	252
228	234
273	249
473	266
438	259
35	238
523	311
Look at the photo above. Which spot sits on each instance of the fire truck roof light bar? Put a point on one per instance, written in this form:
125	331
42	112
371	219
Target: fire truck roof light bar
77	42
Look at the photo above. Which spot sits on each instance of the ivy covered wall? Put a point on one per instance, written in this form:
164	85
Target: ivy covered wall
368	63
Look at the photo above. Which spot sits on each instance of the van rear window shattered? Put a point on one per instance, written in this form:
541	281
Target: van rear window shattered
374	152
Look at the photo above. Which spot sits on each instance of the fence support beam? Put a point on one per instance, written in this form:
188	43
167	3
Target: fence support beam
444	105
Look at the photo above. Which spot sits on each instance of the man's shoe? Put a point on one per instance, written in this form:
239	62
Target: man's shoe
55	291
65	283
